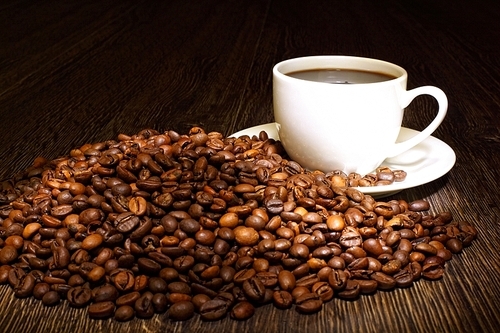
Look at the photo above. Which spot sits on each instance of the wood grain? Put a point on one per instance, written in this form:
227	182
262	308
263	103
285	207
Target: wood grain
74	72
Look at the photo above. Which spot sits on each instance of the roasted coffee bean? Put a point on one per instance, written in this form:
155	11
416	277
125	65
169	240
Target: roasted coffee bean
148	265
181	311
391	267
298	291
8	254
160	302
254	289
214	309
96	274
402	256
243	275
367	286
183	263
269	279
128	299
419	205
92	241
307	281
79	296
286	280
24	287
384	281
15	241
300	251
104	293
444	253
357	264
144	306
246	236
101	310
308	303
454	245
138	205
126	222
141	282
242	311
124	313
337	262
178	297
433	268
169	274
51	298
124	280
404	278
15	275
189	226
426	248
199	299
324	272
157	285
76	280
179	287
323	290
338	279
274	206
40	289
282	299
350	291
350	237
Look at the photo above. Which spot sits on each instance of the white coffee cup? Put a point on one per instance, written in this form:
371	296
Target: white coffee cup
350	127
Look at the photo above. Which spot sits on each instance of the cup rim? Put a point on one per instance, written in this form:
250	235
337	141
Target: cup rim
342	62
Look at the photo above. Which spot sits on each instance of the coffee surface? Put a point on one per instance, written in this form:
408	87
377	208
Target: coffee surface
334	75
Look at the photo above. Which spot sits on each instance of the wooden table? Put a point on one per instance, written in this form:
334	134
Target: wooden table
73	72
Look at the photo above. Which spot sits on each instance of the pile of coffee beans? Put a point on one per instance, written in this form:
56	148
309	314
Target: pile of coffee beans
201	224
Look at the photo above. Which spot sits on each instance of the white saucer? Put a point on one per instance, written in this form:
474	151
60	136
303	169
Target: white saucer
424	163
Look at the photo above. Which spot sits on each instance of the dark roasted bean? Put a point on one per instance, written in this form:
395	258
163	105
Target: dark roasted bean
128	299
25	286
324	291
8	254
144	306
214	309
124	313
40	289
242	311
101	310
105	292
79	296
282	299
419	205
51	298
181	311
384	281
338	279
367	286
254	289
160	302
308	303
351	290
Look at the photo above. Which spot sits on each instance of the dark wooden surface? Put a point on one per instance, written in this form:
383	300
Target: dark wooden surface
73	72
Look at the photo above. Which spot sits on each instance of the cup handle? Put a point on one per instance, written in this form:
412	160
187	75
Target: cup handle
408	96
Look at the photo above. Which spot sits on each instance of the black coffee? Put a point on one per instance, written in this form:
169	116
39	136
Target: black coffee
341	76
